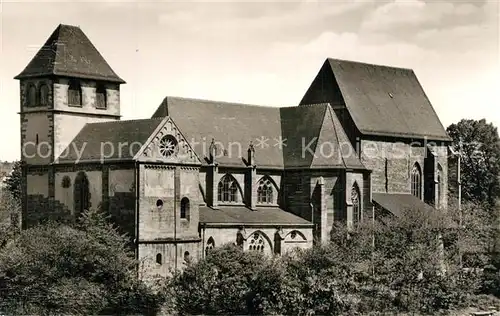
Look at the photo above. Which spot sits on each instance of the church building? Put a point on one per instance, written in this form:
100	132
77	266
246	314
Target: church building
198	174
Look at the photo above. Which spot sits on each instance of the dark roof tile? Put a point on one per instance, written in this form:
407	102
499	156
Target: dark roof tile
101	141
233	126
243	215
382	100
69	52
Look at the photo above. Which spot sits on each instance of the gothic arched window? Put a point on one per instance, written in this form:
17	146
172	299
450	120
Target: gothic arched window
210	245
81	193
228	189
356	205
185	208
158	258
31	95
74	93
44	94
265	191
257	243
416	181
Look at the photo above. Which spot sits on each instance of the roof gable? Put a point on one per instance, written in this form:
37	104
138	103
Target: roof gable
152	149
382	101
69	52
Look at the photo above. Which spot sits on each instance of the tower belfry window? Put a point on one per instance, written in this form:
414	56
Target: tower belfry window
74	93
101	98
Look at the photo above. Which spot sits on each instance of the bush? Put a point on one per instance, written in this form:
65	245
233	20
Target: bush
55	268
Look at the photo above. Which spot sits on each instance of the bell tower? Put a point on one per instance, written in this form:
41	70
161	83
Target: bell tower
66	85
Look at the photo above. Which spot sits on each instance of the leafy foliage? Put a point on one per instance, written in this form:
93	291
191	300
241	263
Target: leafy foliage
56	268
402	264
479	144
14	181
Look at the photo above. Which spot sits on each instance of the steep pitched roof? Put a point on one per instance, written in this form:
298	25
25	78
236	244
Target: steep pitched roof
242	215
233	126
382	100
101	141
69	52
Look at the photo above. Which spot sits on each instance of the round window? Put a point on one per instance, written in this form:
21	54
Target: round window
168	146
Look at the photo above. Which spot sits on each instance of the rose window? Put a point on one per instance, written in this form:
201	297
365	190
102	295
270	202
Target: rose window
168	146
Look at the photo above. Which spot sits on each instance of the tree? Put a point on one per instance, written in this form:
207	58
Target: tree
221	284
479	145
83	269
14	181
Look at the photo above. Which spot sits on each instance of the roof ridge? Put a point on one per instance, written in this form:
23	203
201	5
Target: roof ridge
128	121
368	64
221	102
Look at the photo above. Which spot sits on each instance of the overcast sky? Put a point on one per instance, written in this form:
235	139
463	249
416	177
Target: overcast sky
264	52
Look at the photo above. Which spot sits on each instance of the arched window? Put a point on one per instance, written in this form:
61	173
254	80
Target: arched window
265	191
228	189
159	204
257	242
44	94
81	193
100	97
31	95
187	257
416	181
356	205
74	93
66	182
158	258
210	245
185	208
439	186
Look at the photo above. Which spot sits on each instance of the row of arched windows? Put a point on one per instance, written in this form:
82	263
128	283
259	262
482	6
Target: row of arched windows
37	97
187	258
184	210
75	95
228	190
40	97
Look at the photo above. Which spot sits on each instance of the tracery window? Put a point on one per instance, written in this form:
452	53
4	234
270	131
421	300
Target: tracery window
256	242
356	207
227	189
416	181
265	191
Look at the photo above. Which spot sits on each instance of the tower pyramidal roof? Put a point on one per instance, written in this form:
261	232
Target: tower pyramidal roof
69	52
